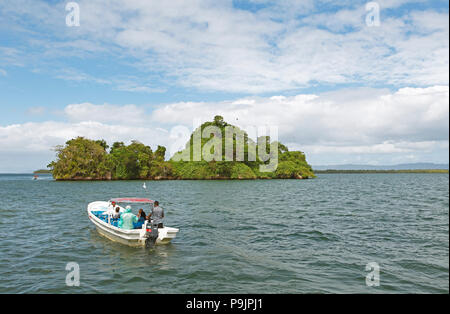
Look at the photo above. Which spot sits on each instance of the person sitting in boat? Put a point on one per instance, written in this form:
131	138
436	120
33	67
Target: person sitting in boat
127	219
111	208
157	214
141	216
116	214
141	219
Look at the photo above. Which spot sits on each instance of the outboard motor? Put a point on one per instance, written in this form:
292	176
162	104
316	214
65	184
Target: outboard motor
151	234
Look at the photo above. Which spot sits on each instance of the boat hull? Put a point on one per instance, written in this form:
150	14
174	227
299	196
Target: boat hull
115	238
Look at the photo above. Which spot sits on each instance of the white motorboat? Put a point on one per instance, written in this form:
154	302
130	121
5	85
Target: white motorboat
100	214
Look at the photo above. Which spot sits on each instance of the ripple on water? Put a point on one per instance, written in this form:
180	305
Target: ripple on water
262	236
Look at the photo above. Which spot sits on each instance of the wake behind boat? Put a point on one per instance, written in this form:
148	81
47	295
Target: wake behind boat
100	214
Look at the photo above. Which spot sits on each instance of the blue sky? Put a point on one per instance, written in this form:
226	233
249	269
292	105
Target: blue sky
338	89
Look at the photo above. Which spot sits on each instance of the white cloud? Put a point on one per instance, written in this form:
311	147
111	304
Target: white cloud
70	74
105	113
347	116
10	56
343	126
41	137
386	147
220	48
211	45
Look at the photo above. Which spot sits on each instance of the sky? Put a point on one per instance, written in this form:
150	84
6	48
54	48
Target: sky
337	85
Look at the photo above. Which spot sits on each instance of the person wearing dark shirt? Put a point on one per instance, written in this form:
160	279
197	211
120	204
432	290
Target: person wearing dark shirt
157	215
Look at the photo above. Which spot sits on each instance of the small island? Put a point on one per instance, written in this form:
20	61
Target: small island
42	171
85	159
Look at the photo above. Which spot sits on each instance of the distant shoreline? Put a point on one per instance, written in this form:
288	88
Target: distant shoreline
315	171
329	171
382	171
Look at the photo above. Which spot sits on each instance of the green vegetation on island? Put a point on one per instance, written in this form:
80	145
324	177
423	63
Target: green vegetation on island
218	155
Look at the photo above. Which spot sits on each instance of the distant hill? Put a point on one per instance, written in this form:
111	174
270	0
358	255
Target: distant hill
410	166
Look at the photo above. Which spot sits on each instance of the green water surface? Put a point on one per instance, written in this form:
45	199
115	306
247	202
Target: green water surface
261	236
